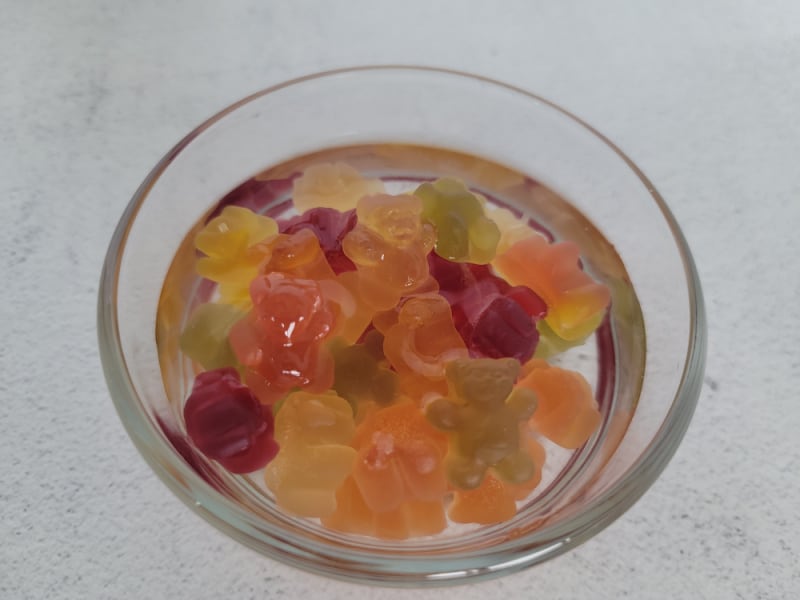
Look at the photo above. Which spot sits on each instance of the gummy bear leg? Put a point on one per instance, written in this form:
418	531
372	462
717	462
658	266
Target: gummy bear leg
465	473
516	468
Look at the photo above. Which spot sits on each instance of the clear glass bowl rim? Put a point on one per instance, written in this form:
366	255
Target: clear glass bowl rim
363	566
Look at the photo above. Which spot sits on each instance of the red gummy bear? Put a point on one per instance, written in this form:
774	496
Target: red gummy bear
494	319
226	422
280	341
330	226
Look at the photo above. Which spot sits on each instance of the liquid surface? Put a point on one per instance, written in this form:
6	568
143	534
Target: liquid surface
523	204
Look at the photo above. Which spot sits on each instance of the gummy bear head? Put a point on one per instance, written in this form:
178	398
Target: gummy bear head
424	309
294	250
483	382
395	218
290	310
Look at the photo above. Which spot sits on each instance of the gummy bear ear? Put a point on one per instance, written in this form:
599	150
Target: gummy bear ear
510	366
457	369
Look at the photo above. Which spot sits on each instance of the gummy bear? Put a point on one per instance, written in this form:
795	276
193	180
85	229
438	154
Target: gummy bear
512	228
422	342
575	302
389	248
494	500
410	519
359	320
398	481
332	185
205	337
567	413
230	243
280	341
482	416
258	194
550	344
313	431
226	422
360	373
494	319
298	254
463	232
329	226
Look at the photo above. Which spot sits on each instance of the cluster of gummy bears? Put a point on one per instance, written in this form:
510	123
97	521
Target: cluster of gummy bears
381	357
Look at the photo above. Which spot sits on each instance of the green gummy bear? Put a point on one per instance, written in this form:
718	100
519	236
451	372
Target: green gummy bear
463	231
482	416
360	374
205	337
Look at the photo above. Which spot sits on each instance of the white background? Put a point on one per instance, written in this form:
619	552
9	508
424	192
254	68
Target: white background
704	96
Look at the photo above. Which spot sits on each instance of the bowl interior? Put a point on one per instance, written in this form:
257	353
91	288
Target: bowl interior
404	123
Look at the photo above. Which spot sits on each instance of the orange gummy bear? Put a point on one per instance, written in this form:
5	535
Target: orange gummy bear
482	416
567	412
279	342
299	255
421	343
494	501
232	251
356	323
389	247
410	519
575	302
398	481
313	431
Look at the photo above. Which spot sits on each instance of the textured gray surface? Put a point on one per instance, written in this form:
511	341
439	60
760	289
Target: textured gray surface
704	96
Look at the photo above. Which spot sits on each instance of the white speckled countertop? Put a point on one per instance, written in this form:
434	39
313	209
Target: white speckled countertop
704	96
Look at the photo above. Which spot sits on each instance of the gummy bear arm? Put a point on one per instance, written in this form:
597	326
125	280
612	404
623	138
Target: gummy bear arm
522	402
443	414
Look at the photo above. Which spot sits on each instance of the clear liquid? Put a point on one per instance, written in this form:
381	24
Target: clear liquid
615	351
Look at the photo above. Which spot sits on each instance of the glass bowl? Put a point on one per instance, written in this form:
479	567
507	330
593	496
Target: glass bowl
647	385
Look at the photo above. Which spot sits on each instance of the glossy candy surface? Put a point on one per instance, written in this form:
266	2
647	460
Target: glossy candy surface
494	319
398	482
495	500
463	232
230	243
332	185
226	422
390	339
361	372
567	412
329	226
314	432
280	341
205	337
389	247
422	342
575	302
482	415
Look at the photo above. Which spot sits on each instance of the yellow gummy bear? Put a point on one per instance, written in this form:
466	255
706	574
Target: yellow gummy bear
313	431
233	253
512	228
332	185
